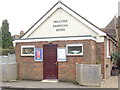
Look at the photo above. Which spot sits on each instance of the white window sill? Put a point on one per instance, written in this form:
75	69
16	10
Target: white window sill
27	55
74	54
108	56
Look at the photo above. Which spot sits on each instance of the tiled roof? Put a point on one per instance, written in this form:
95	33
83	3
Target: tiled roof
110	29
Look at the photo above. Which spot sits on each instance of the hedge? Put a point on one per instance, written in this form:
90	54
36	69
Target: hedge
6	51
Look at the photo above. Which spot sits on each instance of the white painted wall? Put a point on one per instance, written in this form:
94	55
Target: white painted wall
75	27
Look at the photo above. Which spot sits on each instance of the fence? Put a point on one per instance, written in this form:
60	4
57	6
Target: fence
8	68
88	74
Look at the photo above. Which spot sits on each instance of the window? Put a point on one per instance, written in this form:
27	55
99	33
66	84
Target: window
74	49
27	50
108	48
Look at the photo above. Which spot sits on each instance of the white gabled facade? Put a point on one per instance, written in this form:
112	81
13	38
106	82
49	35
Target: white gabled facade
73	25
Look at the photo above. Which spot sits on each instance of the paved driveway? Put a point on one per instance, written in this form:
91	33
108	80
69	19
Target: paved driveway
112	82
38	84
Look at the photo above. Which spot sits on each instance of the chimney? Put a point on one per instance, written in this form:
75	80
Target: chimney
21	33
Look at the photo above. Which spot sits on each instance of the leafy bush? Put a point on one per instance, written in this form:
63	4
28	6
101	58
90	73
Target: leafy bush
116	58
98	62
6	51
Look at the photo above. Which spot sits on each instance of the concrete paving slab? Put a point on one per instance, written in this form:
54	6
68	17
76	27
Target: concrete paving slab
111	82
39	84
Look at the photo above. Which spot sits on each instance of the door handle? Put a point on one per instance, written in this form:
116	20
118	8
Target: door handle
56	63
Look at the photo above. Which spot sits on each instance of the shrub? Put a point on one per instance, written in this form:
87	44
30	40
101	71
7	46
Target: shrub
6	51
115	57
98	61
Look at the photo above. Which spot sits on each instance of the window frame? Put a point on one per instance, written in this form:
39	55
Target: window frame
72	45
108	48
27	46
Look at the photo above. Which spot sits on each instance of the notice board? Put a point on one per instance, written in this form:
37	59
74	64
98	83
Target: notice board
38	55
61	54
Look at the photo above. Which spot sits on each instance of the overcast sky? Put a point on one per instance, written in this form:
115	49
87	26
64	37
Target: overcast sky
22	14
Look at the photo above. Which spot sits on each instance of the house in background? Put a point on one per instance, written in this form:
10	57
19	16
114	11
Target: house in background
51	48
18	36
111	28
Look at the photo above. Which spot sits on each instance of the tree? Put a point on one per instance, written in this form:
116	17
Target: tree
116	58
6	35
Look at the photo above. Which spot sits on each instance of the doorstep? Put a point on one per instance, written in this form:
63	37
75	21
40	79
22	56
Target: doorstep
50	80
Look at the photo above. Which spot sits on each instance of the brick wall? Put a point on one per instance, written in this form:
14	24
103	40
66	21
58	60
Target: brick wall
30	69
101	51
93	52
107	60
100	55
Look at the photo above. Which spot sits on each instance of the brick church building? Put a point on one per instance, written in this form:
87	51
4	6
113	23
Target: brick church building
61	38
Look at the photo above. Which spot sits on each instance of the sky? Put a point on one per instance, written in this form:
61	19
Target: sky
22	14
